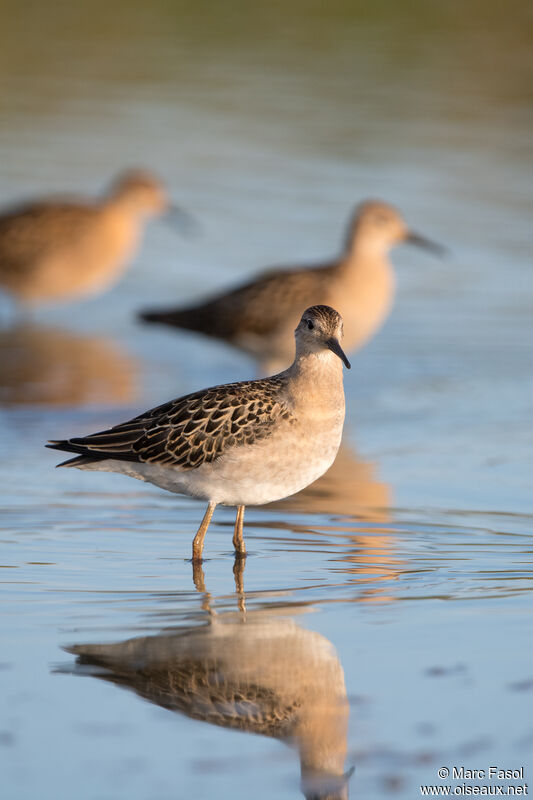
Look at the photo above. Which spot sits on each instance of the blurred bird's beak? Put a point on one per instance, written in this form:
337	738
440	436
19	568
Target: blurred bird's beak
335	347
182	220
324	784
427	244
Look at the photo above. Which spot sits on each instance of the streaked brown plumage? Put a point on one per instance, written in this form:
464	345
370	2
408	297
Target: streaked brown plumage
192	430
56	249
259	317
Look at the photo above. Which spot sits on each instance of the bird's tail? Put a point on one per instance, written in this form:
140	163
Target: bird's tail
152	316
68	447
176	318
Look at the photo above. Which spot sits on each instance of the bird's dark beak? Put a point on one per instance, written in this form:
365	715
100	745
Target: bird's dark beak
335	347
427	244
185	223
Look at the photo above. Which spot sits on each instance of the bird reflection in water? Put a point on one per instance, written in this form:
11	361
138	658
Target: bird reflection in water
257	671
42	365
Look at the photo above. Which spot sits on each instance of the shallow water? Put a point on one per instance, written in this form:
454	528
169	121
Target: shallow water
410	565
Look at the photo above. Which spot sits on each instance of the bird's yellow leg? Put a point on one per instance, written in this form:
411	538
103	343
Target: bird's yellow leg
238	538
198	541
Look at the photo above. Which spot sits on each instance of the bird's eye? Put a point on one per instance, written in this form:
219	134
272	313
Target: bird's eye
310	324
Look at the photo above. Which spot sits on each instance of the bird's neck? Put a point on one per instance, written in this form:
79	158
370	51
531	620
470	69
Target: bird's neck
316	378
123	210
360	250
321	736
366	267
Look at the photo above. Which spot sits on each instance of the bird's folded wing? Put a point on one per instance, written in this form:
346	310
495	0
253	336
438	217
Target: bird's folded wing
32	232
258	307
192	430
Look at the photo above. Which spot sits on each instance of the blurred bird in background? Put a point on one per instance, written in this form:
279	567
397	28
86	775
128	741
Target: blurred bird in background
260	316
59	249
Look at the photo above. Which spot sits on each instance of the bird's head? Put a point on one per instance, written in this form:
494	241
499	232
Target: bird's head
378	226
320	331
143	195
141	191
